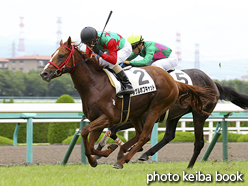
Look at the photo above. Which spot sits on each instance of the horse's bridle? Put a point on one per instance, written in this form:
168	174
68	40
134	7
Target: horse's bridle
60	69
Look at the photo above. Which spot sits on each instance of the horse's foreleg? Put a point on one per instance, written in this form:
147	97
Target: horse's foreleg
138	128
168	136
97	124
94	135
111	132
85	132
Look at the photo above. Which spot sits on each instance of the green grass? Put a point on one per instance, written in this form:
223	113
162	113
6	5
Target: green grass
5	141
132	174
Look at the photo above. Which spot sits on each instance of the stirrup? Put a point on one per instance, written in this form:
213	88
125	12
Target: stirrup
125	91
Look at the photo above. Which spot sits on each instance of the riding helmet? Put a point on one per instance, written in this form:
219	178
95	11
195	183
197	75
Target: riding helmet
88	34
135	39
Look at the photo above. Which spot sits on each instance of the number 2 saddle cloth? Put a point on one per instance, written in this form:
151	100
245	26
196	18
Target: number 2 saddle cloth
141	81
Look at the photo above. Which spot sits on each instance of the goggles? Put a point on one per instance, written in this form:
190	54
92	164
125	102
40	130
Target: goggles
93	42
134	46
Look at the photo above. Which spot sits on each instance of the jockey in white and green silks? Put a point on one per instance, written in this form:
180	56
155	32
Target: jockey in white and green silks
154	54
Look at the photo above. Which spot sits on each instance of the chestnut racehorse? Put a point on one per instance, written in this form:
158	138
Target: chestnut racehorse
103	108
199	78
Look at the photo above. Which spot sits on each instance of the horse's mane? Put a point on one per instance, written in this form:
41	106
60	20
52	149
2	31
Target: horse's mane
90	61
77	46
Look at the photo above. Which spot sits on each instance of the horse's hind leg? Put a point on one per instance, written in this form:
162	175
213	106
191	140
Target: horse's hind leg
143	139
199	121
124	148
156	108
120	127
168	136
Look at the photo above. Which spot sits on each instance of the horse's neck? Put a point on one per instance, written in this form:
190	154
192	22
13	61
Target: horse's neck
85	77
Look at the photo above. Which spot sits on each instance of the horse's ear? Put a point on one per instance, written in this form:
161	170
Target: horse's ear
61	42
69	40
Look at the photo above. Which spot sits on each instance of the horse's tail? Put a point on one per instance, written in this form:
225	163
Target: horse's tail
230	94
196	97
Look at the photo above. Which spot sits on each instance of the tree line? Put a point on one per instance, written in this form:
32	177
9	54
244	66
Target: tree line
30	84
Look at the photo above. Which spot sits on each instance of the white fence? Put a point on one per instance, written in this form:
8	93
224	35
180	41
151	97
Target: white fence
77	107
208	131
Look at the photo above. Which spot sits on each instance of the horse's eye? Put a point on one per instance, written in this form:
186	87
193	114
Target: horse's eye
60	56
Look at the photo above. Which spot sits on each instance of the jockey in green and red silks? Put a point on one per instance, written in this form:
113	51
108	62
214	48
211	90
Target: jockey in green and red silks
113	49
110	43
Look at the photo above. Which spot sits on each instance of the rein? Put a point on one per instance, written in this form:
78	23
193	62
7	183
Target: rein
61	68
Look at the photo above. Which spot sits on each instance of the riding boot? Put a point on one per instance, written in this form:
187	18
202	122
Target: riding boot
127	87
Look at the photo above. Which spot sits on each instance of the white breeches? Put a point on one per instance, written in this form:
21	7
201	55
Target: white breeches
122	55
167	63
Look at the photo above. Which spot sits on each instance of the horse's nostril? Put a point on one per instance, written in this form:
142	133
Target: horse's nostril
43	74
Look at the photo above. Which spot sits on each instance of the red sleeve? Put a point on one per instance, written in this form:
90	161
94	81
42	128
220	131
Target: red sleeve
88	52
112	50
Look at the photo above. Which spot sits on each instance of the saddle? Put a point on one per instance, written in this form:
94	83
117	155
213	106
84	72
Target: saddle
141	82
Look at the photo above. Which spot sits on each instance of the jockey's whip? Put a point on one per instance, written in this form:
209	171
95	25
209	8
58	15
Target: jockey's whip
110	13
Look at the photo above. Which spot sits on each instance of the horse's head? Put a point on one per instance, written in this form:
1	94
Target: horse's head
62	60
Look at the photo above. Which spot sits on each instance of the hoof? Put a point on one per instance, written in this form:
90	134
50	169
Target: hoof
113	146
118	166
94	163
143	157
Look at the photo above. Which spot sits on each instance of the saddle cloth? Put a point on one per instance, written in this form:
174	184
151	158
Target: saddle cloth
141	81
181	76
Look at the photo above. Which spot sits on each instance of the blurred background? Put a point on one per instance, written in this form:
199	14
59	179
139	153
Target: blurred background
209	35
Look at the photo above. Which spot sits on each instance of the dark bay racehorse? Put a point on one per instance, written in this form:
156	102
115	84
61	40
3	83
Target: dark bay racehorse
103	108
199	78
